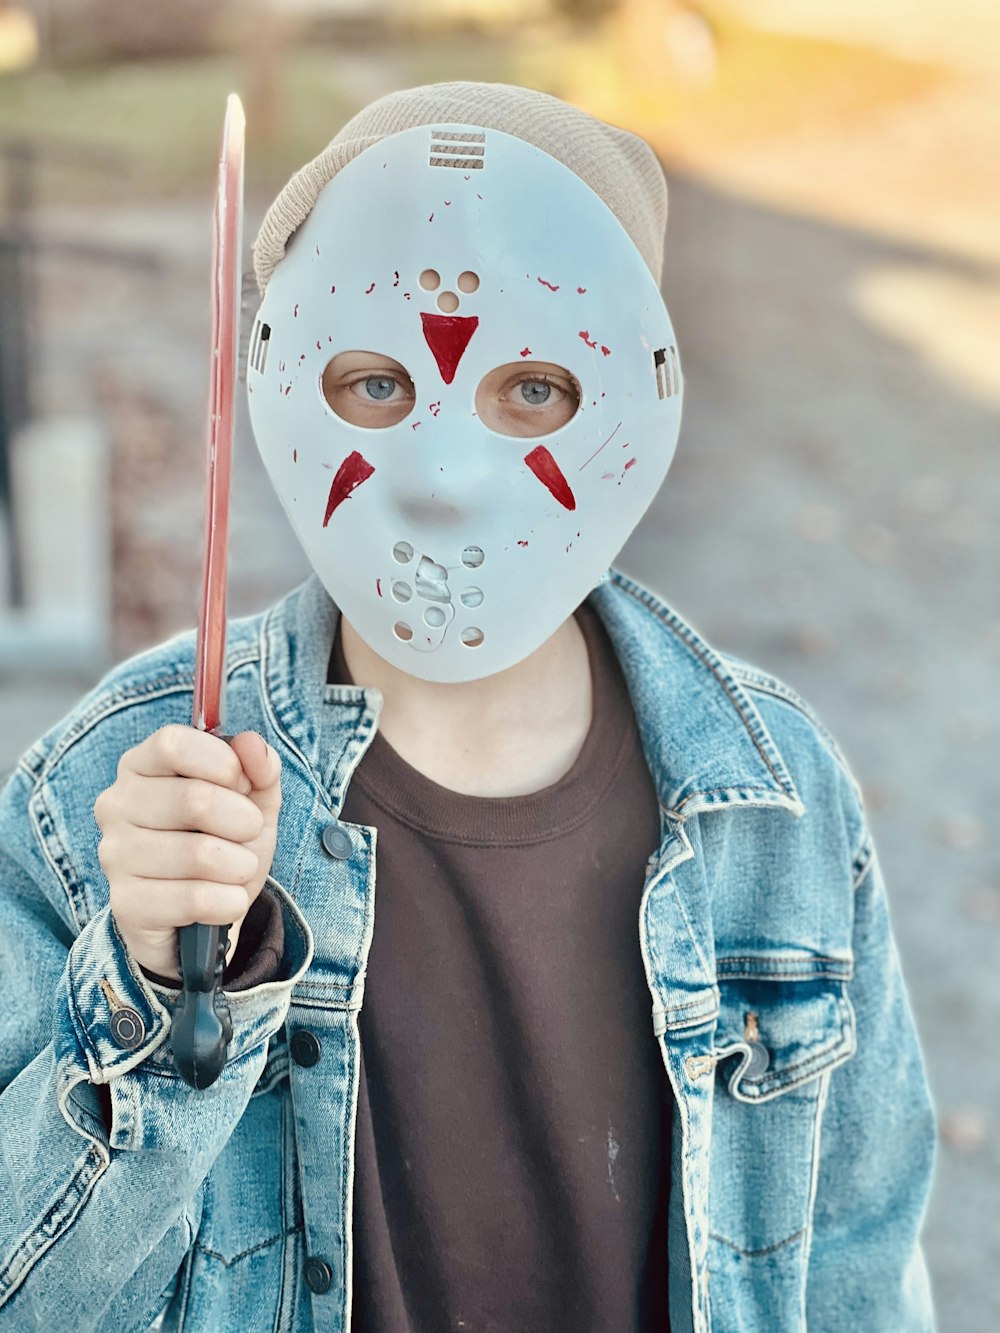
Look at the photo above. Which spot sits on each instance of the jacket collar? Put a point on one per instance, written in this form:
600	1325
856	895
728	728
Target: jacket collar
706	744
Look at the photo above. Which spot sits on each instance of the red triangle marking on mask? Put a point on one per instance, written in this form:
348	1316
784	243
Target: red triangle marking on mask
549	473
448	336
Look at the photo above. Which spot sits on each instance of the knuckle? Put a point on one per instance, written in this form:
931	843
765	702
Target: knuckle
198	803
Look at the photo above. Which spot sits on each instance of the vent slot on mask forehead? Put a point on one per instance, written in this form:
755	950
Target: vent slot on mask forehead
453	149
668	374
260	341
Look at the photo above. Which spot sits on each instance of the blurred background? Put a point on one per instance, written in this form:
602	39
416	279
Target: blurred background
833	274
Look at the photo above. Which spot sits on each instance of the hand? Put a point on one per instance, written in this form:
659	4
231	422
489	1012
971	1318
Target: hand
188	830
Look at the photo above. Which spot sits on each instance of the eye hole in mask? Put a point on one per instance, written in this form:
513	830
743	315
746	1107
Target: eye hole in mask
368	389
527	399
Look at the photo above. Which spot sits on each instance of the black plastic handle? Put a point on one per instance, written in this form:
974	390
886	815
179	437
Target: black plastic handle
202	1025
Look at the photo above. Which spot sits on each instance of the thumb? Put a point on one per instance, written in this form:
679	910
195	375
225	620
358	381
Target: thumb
259	761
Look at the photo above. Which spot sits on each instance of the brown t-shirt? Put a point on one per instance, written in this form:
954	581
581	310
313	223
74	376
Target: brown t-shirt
512	1149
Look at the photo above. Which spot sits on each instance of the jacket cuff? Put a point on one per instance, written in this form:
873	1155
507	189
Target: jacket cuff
259	953
119	1020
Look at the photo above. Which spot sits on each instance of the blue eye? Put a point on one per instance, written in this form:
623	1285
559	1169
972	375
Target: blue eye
535	392
380	387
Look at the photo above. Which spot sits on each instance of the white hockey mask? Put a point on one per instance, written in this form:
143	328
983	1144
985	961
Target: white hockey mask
454	550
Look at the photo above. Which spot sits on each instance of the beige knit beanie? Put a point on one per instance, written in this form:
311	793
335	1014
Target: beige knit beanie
617	165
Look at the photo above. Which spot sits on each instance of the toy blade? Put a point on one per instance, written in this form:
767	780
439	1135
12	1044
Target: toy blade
209	703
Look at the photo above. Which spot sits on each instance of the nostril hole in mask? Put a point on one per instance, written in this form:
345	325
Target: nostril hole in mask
402	631
472	557
468	281
472	637
447	302
430	279
402	552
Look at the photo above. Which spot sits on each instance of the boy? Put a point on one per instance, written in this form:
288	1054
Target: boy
457	1114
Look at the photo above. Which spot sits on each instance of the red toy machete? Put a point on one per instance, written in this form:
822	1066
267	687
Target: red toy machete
202	1026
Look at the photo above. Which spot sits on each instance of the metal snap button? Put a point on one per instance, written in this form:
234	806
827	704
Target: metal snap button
305	1048
760	1058
337	841
127	1028
318	1275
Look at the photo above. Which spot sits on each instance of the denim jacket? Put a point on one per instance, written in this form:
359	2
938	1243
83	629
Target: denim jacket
803	1132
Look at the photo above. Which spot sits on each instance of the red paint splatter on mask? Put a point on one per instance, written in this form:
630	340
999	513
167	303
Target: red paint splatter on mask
630	463
288	391
447	203
369	290
605	351
525	351
552	286
378	586
548	472
522	543
448	336
435	408
302	358
585	335
414	425
319	345
317	249
332	290
395	277
351	473
479	196
431	218
281	367
607	476
580	291
468	178
295	313
295	455
406	296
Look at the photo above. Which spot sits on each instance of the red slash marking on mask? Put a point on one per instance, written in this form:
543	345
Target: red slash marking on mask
585	335
553	287
526	351
369	290
630	463
580	291
603	446
351	473
547	470
448	336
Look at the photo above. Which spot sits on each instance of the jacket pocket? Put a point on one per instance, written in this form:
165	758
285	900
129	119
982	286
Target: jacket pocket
779	1037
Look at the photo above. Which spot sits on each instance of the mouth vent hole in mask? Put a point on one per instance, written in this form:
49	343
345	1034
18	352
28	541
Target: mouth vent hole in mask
472	637
401	591
402	552
434	616
402	631
472	557
668	375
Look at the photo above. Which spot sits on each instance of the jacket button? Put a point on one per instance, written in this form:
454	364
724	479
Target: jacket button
759	1060
305	1047
318	1275
337	841
127	1028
